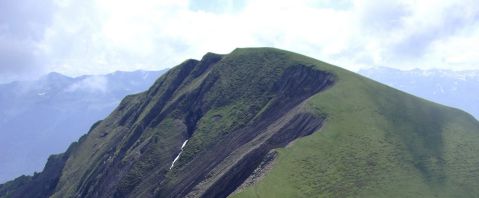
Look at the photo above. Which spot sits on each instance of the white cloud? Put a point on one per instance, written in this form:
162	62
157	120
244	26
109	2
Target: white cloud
459	51
90	84
98	36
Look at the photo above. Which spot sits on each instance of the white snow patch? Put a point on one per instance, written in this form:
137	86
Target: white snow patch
178	156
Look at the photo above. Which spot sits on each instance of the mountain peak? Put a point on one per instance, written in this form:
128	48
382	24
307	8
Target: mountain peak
244	123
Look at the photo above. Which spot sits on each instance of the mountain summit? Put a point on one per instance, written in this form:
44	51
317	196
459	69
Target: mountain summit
263	122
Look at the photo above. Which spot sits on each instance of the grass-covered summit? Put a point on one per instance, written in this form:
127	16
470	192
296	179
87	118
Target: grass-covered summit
263	122
377	142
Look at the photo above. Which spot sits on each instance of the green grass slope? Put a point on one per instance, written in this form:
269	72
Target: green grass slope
377	142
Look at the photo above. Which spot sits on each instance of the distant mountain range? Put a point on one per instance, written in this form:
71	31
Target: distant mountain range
41	117
453	88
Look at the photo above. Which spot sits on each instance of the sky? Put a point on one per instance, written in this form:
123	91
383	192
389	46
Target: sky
77	37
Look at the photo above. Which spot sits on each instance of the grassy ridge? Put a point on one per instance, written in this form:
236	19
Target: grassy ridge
377	142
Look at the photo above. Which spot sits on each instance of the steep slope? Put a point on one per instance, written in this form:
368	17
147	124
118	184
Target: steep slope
225	125
219	104
377	142
44	116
